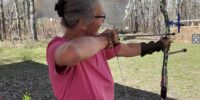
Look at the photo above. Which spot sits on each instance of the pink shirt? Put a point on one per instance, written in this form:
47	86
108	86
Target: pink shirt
91	79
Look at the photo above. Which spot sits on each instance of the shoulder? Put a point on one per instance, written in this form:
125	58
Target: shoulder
55	42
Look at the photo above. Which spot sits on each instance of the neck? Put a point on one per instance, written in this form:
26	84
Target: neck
73	34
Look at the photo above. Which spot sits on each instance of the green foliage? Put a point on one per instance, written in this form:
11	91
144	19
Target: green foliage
27	96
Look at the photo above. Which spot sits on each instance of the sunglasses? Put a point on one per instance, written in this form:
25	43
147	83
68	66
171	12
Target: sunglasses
104	17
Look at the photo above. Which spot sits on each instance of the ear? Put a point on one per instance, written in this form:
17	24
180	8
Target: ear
82	25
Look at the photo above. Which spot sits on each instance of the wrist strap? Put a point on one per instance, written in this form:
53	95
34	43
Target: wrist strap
149	48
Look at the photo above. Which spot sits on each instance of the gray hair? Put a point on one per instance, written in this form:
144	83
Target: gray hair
76	9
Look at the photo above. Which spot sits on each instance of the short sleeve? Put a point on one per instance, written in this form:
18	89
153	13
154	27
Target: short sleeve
112	52
50	55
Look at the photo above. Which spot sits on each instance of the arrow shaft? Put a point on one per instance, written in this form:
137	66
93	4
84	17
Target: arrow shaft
144	35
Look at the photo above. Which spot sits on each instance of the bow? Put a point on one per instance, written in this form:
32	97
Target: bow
164	77
167	34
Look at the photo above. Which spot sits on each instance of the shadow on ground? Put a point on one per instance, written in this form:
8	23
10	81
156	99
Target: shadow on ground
135	94
18	78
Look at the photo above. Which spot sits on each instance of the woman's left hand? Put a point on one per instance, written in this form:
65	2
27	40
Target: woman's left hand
167	42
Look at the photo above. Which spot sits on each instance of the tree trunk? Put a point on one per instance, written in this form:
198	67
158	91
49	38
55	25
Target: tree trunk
33	20
3	32
25	17
18	19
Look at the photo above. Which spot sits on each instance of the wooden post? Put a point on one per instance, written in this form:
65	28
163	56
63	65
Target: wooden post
192	24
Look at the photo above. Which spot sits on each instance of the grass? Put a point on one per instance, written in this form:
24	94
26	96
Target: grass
140	73
30	51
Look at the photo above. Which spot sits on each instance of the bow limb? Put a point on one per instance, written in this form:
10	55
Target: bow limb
164	77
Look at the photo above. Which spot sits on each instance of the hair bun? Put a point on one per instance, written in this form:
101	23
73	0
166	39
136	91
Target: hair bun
59	7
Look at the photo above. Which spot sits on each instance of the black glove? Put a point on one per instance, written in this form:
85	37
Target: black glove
149	48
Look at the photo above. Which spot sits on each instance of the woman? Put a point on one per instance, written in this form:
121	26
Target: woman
77	62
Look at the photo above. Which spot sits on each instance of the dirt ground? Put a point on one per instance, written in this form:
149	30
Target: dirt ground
16	79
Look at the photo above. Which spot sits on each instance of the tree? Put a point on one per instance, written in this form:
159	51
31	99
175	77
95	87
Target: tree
33	20
18	19
3	32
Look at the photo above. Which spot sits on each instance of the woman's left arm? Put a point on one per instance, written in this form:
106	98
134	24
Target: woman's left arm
135	49
129	50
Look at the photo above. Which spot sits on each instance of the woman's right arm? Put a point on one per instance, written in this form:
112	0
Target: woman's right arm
79	49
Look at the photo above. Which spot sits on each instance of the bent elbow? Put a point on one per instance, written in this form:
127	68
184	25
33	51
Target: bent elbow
71	56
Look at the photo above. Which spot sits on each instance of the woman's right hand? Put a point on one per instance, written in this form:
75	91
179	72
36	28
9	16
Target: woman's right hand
112	38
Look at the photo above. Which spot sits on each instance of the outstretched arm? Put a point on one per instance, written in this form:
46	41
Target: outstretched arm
135	49
129	50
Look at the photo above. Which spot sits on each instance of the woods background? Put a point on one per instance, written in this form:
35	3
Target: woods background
36	19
